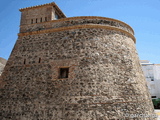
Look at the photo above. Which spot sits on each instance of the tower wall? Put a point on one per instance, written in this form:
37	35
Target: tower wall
105	79
40	14
37	15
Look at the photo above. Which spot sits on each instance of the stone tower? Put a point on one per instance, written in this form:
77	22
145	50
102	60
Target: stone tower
78	68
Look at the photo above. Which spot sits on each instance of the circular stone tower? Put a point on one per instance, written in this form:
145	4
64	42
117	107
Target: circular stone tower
79	68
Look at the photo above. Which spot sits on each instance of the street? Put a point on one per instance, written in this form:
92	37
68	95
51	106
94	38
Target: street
157	111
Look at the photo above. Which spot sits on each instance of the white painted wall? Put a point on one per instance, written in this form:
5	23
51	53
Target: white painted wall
152	75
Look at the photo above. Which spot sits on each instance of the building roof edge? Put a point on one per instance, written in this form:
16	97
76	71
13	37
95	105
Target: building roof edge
48	4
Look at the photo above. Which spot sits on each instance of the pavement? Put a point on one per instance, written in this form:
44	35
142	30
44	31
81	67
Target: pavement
157	111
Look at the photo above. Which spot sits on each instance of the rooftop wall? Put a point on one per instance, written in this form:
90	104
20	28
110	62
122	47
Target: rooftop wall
78	21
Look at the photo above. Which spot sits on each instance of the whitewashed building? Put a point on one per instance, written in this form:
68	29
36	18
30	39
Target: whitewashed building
152	75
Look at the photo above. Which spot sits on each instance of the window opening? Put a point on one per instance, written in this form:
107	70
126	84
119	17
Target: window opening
45	18
31	21
63	72
153	96
24	61
39	60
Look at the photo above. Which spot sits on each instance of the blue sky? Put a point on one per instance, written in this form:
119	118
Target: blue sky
142	15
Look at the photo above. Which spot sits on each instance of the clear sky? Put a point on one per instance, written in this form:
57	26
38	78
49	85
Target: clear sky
142	15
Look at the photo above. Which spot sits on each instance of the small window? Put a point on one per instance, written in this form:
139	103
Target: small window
41	19
152	79
39	60
63	72
36	20
31	21
24	61
45	18
153	96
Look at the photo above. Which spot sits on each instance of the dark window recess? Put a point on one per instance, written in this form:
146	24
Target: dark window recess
41	19
152	79
36	20
24	61
45	18
39	61
63	72
31	21
153	96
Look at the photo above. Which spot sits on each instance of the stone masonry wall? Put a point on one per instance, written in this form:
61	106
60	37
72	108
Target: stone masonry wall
76	21
2	64
105	78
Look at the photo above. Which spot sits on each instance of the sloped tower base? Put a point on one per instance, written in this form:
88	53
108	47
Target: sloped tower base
81	68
